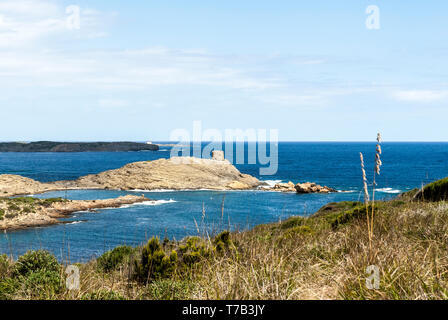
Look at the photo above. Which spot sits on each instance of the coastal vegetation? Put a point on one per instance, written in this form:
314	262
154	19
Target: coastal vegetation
323	256
13	207
24	212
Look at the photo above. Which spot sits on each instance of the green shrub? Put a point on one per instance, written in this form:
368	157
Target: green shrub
154	262
42	284
27	210
223	242
25	200
299	230
113	258
13	207
4	266
102	295
48	202
436	191
8	288
292	222
36	261
358	212
193	250
334	207
2	214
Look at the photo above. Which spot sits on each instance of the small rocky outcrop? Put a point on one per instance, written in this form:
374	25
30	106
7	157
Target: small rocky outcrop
285	187
309	187
20	213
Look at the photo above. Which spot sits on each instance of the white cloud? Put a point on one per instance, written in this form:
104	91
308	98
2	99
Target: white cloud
23	23
421	95
138	69
113	103
28	59
34	8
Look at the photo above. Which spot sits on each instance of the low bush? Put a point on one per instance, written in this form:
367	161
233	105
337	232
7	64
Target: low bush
48	202
4	266
193	250
114	258
359	212
299	230
154	263
36	261
436	191
42	284
8	288
223	242
13	207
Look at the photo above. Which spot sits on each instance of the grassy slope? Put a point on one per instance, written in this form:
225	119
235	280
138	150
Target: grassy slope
321	257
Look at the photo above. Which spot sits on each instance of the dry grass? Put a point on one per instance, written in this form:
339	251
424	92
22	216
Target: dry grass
410	248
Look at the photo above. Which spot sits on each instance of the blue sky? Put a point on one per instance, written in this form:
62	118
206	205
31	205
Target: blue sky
137	70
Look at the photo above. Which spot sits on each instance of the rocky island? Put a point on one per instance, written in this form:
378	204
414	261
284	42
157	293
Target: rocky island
175	174
51	146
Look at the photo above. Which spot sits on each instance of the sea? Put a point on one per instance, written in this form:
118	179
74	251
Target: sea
177	214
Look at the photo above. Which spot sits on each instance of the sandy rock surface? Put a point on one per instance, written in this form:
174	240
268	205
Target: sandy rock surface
174	173
309	187
16	185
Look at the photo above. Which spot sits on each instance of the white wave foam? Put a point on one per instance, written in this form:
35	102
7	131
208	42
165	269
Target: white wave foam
388	190
75	222
154	190
149	203
272	183
173	190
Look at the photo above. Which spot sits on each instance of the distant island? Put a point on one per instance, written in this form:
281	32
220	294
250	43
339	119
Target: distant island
51	146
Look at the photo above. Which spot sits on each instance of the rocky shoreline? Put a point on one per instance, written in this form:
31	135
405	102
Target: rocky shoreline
22	213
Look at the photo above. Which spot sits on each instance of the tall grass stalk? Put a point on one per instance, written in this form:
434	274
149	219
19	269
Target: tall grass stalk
366	197
377	169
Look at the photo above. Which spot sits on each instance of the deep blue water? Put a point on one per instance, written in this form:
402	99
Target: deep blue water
405	166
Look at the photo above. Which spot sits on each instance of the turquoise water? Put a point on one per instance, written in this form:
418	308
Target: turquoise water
182	213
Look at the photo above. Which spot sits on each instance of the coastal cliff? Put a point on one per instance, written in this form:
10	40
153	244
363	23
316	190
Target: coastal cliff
174	173
50	146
